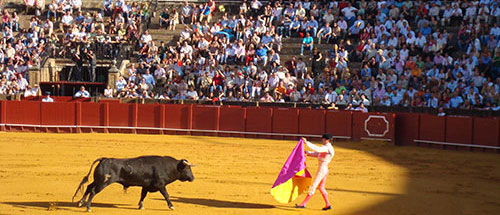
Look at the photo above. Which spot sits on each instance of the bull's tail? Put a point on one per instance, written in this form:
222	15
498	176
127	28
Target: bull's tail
85	179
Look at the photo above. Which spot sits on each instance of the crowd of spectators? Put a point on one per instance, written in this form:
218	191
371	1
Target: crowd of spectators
19	50
61	29
438	54
403	54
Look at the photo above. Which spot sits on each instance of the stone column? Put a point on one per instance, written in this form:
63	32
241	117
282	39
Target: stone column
113	75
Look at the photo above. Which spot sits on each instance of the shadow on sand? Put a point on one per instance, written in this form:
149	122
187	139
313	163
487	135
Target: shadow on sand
58	205
219	203
418	195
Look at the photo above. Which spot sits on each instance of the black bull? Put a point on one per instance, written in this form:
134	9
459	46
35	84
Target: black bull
152	173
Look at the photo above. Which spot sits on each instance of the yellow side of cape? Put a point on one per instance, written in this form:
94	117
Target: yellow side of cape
291	189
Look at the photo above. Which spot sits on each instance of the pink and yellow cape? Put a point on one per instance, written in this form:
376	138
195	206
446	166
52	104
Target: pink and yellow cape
294	179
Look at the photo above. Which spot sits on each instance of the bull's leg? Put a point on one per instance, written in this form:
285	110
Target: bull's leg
87	192
144	192
164	192
97	188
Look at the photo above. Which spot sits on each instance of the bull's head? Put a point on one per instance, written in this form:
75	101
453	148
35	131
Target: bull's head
184	168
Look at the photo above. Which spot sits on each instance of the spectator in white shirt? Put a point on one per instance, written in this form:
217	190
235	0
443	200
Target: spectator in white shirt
328	17
470	12
433	102
325	33
342	24
420	41
229	53
495	14
67	20
119	20
364	100
108	92
446	18
186	51
441	112
362	108
255	6
331	96
185	34
495	31
146	38
76	4
186	13
350	13
191	93
35	91
160	73
434	10
47	98
82	93
483	13
457	13
411	39
21	82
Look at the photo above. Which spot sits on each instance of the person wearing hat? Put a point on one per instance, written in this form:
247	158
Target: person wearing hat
48	98
324	154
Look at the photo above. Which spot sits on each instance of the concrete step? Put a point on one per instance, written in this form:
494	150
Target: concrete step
164	35
288	45
63	62
167	42
66	60
296	51
294	39
305	58
163	31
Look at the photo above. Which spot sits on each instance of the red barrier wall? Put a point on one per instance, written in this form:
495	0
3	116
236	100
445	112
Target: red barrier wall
2	114
486	131
205	118
148	115
406	128
58	113
458	130
92	114
121	114
178	116
258	120
372	125
285	121
432	128
338	123
311	121
22	112
232	119
272	122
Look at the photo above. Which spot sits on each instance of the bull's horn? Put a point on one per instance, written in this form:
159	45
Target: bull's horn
187	163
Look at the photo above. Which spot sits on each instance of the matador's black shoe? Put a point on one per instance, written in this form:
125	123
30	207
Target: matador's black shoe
300	206
327	208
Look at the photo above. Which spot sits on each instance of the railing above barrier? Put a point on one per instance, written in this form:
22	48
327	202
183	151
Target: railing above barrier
203	1
182	1
393	109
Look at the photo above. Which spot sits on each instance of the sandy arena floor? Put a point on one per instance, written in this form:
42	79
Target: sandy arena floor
234	176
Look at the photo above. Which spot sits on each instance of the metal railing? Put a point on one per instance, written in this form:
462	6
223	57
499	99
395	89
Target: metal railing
203	1
389	109
386	109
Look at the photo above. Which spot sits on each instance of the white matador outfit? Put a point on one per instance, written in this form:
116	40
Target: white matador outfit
324	154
